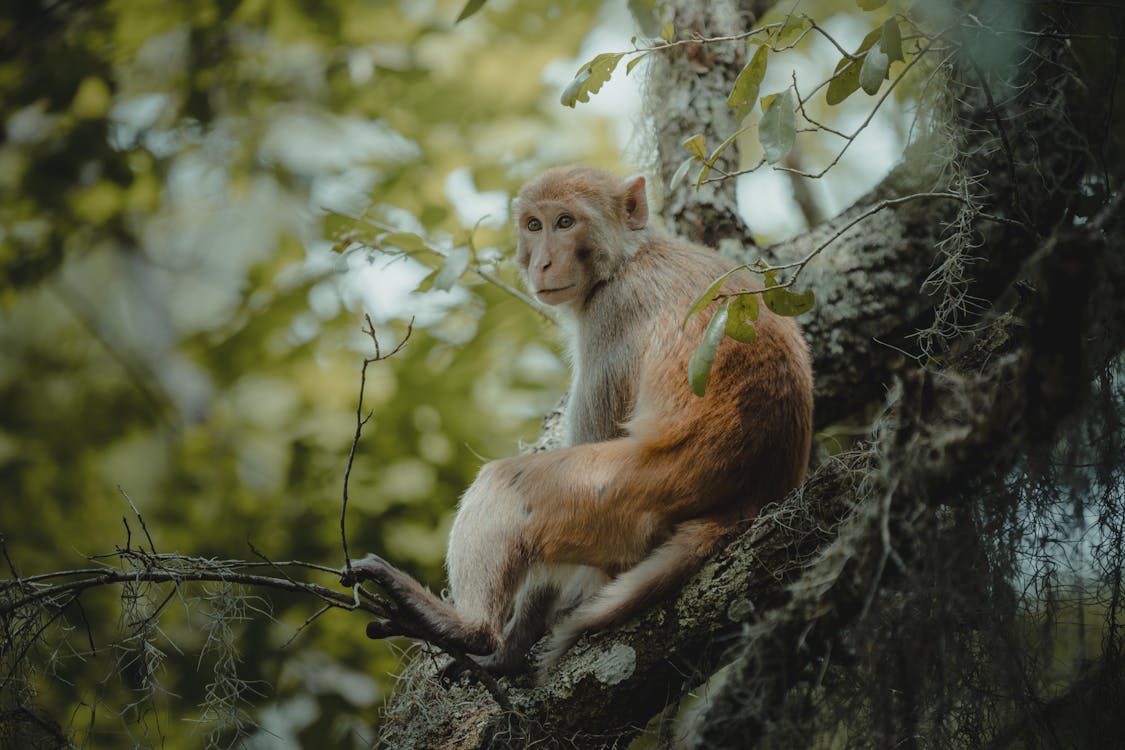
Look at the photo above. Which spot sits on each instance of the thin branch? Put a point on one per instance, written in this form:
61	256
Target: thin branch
816	27
867	120
360	421
109	577
140	518
698	39
8	558
1005	144
281	570
799	265
526	299
801	107
233	565
308	621
849	138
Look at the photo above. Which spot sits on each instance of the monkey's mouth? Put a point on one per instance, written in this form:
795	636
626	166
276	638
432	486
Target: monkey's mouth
552	291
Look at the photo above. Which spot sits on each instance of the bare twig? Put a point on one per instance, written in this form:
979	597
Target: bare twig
140	518
204	570
867	120
308	621
799	265
8	559
1005	144
816	27
360	421
526	299
887	203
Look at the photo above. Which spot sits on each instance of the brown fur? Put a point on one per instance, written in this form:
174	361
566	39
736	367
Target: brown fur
655	476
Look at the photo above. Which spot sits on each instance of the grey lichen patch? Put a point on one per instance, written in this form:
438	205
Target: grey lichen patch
740	610
615	664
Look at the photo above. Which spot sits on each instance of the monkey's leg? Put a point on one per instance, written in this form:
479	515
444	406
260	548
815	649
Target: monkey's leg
691	543
548	590
487	560
421	605
531	616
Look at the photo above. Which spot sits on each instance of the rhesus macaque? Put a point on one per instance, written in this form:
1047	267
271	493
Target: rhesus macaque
654	477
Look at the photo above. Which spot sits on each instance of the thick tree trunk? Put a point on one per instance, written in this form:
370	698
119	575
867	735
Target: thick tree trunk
781	593
687	94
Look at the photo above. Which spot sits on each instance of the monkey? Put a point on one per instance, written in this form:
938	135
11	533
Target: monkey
652	478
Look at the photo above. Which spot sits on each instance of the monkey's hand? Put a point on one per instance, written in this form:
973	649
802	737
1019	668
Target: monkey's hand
373	568
370	568
416	611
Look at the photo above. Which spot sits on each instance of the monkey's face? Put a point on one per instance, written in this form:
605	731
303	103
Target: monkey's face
552	253
576	227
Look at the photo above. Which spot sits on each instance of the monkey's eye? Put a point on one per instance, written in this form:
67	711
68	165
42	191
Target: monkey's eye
566	221
534	225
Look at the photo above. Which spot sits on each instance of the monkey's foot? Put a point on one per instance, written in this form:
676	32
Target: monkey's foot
379	629
496	664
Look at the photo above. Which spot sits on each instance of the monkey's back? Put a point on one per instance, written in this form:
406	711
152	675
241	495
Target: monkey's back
746	441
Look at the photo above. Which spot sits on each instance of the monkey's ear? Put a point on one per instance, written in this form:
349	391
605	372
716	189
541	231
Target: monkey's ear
636	204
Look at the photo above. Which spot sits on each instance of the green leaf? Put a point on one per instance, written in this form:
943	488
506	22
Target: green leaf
777	132
741	314
845	78
427	283
891	40
633	63
347	230
844	81
869	41
767	100
407	242
697	145
707	297
710	161
874	70
790	31
456	263
870	4
590	78
788	303
470	8
574	89
699	366
668	33
681	172
745	91
337	225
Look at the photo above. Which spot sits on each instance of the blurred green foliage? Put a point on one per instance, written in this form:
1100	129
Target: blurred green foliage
173	320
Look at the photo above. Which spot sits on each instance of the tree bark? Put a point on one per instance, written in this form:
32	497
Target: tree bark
686	95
